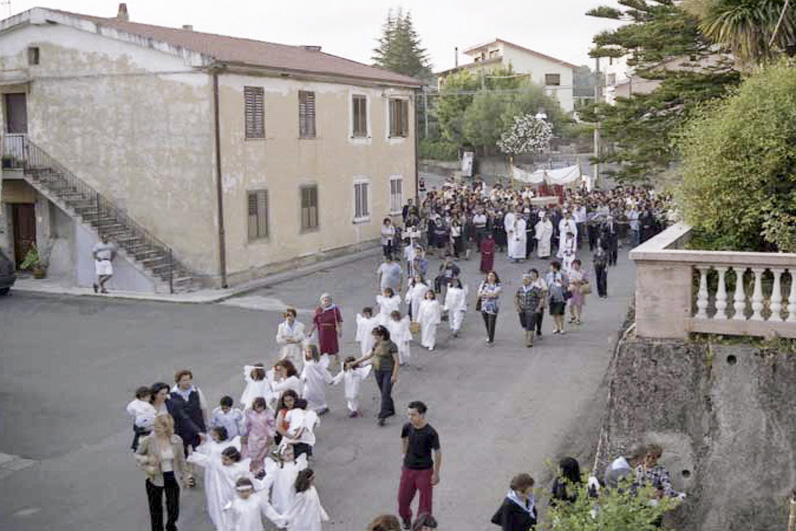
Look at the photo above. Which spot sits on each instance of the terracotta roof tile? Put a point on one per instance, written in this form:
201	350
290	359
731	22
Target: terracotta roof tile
255	53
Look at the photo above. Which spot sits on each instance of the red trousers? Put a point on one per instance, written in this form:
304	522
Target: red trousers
411	482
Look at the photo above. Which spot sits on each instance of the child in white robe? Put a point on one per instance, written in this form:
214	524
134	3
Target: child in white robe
388	302
219	477
301	430
455	305
258	384
315	377
307	512
414	295
401	335
352	378
365	325
429	317
245	512
280	478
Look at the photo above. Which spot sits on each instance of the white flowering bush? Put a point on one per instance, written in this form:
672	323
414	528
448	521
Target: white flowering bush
527	134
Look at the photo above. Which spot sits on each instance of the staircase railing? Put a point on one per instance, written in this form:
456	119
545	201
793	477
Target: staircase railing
22	152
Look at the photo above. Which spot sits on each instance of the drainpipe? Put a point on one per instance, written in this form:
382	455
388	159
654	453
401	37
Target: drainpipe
222	244
417	149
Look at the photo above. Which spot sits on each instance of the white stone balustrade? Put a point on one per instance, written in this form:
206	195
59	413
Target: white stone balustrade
681	291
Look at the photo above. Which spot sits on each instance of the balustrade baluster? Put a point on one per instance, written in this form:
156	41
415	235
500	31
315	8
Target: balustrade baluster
776	296
792	296
739	298
757	294
721	296
702	294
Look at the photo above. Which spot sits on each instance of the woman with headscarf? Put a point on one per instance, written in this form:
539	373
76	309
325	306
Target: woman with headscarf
329	322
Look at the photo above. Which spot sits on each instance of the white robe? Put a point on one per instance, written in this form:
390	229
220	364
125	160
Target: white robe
517	240
220	487
456	306
543	234
352	379
429	316
280	480
301	428
307	512
256	388
387	305
565	226
247	515
415	296
401	335
568	252
291	351
364	336
291	382
315	377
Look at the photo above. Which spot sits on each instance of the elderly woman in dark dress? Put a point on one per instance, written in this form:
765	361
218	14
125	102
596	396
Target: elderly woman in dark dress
329	322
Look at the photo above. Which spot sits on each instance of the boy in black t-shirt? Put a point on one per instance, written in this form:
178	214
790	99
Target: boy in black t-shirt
420	469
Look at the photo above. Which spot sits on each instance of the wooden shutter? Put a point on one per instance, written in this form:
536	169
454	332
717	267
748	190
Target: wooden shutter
254	111
258	214
360	117
309	207
404	105
306	114
396	195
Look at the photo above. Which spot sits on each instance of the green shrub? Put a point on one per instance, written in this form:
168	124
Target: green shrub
739	166
437	150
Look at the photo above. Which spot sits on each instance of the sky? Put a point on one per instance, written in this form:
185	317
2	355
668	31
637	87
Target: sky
349	28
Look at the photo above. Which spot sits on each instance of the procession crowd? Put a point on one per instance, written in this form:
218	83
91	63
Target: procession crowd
256	457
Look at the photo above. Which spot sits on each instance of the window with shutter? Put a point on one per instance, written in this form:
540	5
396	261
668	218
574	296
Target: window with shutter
306	114
258	215
309	208
552	79
254	111
399	117
361	203
396	195
360	118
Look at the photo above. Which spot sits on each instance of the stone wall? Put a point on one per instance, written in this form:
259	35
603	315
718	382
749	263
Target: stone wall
724	415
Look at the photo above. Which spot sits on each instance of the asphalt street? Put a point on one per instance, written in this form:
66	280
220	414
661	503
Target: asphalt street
71	364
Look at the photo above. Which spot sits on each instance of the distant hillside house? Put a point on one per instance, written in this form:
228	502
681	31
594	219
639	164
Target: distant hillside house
208	159
555	75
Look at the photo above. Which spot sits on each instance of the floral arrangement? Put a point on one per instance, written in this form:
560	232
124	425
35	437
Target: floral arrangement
526	135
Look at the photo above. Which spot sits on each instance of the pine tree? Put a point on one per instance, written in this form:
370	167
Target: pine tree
400	48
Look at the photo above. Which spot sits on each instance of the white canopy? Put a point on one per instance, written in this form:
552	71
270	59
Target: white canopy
561	176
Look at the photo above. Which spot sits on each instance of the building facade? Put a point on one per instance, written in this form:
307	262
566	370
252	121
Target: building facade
555	75
235	157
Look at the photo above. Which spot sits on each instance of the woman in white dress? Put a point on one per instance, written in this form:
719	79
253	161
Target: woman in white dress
315	377
285	377
414	295
307	512
455	305
429	316
280	478
290	335
388	302
568	251
258	384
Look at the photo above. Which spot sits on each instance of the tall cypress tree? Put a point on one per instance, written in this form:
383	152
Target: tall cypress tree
399	47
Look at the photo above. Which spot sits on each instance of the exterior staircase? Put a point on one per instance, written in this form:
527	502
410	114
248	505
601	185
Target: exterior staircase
153	257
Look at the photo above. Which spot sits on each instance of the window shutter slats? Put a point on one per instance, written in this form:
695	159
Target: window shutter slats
306	114
254	111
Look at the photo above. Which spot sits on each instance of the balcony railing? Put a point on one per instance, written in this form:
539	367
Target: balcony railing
681	291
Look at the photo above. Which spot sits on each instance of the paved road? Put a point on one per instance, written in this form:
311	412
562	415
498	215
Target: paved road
70	364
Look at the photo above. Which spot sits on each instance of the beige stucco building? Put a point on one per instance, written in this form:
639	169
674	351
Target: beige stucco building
233	157
555	75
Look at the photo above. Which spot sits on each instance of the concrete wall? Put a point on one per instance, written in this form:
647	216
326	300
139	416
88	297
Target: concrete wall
142	139
537	67
723	414
282	162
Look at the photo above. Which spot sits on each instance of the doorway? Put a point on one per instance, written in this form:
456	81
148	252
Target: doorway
16	113
23	217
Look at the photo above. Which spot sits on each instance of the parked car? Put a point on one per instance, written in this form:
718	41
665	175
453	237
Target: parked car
7	274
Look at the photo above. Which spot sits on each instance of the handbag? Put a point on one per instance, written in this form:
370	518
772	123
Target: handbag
567	295
478	304
585	288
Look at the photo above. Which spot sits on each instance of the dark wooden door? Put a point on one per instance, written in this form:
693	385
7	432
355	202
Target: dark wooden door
16	113
23	216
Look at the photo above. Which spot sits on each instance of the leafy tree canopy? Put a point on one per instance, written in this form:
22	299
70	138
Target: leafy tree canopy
663	42
739	166
399	48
